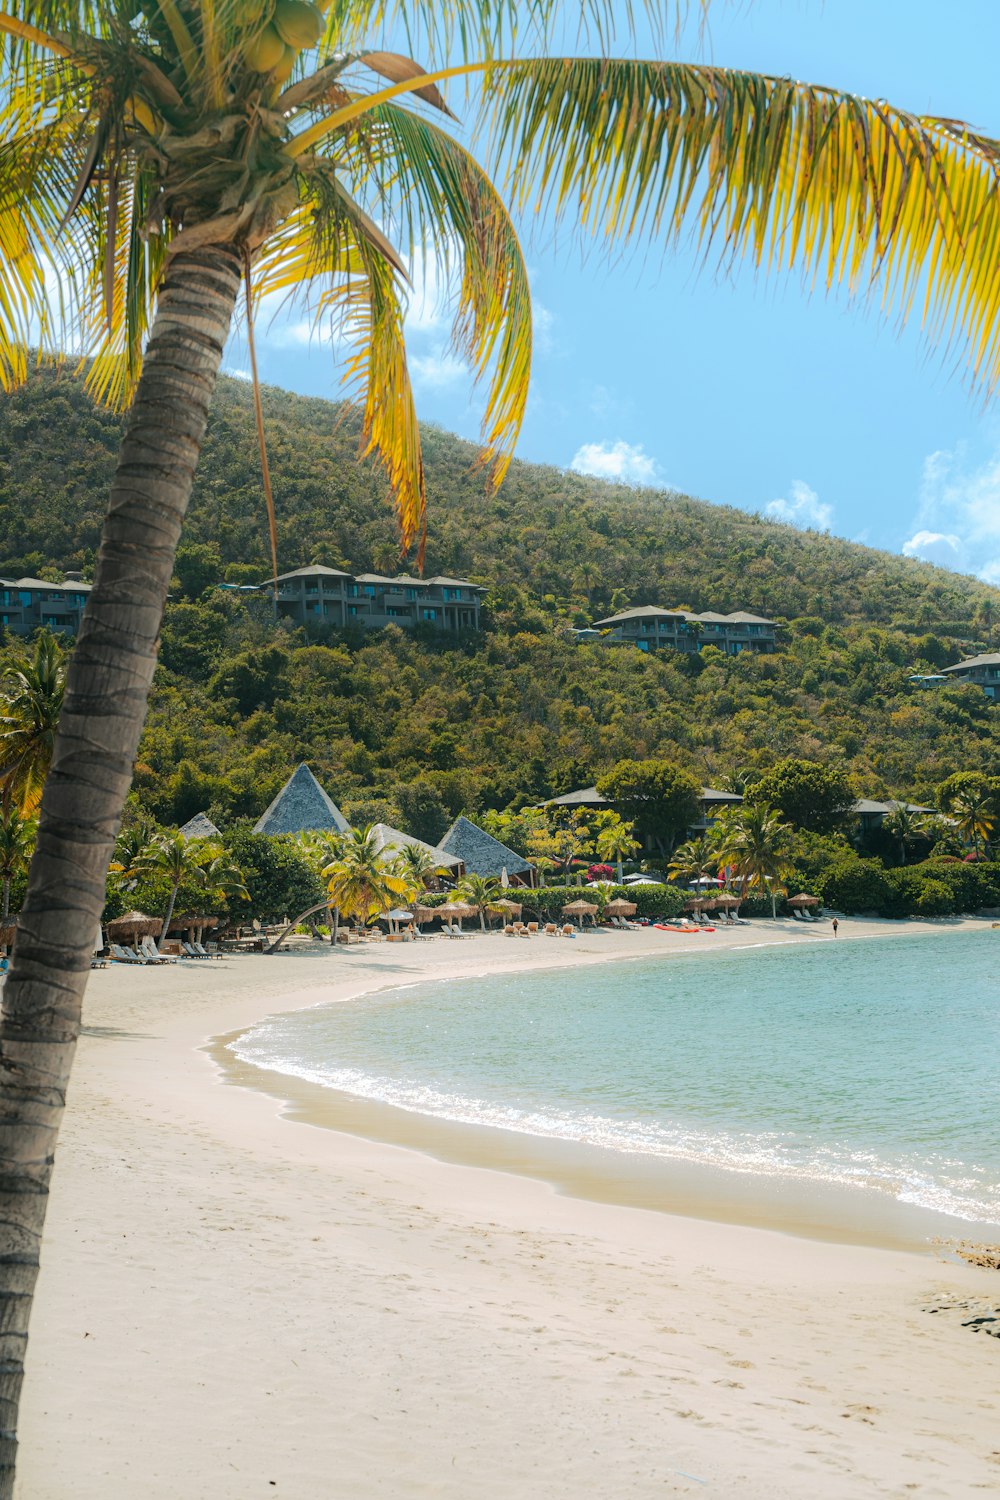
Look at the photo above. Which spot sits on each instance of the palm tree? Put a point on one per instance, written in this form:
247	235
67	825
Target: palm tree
202	866
162	157
17	840
481	893
756	844
616	842
906	827
418	865
695	859
363	882
31	700
974	815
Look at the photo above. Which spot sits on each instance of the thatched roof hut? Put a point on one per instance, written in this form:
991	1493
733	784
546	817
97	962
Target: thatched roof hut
199	827
302	806
484	855
133	926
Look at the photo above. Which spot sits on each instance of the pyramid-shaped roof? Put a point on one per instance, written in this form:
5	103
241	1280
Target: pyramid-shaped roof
199	827
480	852
302	806
393	838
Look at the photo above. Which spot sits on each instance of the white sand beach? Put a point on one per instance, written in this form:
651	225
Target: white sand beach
237	1304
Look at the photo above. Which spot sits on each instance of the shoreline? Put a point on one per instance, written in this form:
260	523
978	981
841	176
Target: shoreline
233	1303
799	1205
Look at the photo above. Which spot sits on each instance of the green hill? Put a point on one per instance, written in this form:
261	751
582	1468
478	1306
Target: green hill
392	719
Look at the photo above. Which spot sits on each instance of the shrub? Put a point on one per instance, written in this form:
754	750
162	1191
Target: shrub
854	885
934	899
548	901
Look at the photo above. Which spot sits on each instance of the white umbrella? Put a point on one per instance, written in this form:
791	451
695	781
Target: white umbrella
504	878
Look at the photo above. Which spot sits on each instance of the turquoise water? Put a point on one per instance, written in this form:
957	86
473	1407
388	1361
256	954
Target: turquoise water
872	1062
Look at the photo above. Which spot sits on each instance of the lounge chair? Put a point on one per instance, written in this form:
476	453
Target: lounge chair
532	927
149	948
189	951
568	931
125	955
508	930
203	953
550	929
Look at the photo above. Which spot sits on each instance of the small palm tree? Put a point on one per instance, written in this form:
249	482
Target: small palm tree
31	700
974	814
906	827
363	883
17	841
201	865
695	859
757	846
617	842
419	866
481	893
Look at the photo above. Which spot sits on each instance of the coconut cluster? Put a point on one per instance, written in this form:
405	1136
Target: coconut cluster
295	25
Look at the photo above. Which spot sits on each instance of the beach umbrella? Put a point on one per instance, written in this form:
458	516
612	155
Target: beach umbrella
512	908
7	934
396	916
133	926
454	911
620	908
803	900
504	878
579	910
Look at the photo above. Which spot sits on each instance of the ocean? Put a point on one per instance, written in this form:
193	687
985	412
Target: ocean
872	1064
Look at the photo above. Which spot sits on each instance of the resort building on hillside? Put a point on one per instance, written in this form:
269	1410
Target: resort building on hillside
302	806
27	603
712	803
484	855
651	628
871	815
328	596
982	671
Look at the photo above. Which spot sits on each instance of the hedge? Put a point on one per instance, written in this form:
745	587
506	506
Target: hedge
548	901
934	887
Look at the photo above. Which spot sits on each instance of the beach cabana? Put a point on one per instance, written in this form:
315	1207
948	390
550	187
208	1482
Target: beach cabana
133	927
195	927
302	806
579	910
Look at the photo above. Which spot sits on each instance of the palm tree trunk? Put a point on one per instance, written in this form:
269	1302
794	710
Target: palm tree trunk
6	897
102	718
170	911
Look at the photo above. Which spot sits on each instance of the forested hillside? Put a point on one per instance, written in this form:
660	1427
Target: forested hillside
395	724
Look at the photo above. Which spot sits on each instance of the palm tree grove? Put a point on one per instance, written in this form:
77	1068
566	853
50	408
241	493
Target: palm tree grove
433	872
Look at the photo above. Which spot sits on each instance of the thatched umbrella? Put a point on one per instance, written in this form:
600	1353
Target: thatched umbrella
195	925
133	926
695	903
803	900
455	911
7	934
620	908
579	910
424	913
512	908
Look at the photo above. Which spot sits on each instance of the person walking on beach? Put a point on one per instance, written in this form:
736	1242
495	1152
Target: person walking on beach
836	924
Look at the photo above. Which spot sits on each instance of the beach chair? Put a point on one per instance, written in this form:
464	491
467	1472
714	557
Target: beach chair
568	931
203	952
533	927
550	929
149	948
508	930
126	956
189	951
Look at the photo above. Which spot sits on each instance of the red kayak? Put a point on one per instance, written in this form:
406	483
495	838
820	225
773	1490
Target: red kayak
665	927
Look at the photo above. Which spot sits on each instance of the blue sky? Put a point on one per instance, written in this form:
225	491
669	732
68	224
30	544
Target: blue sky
739	389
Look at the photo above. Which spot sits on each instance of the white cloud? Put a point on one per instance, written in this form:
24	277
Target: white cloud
628	463
236	373
935	547
543	321
803	507
438	368
958	520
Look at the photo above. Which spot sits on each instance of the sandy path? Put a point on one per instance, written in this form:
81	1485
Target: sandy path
235	1305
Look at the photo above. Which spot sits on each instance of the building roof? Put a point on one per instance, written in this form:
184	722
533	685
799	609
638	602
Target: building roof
641	612
455	583
989	659
587	796
301	806
394	838
199	827
480	852
865	805
310	571
72	585
709	794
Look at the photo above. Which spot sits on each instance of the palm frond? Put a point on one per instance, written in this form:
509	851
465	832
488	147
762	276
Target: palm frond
440	196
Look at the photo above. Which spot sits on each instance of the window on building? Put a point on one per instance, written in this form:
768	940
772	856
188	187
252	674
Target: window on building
26	598
430	614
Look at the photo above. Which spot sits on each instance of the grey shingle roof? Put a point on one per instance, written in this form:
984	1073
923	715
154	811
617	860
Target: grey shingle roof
393	838
989	659
199	827
481	853
300	807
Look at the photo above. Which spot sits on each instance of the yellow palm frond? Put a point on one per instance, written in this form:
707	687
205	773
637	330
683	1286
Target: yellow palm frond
441	196
845	189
